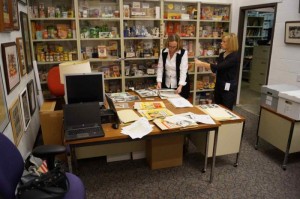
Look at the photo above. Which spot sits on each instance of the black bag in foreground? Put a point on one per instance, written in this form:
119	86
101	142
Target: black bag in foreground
51	185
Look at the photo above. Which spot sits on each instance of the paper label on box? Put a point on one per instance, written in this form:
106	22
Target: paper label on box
269	98
269	102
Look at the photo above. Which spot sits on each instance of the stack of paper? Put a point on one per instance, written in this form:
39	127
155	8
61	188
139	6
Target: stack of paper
167	93
147	92
127	115
217	112
180	102
138	129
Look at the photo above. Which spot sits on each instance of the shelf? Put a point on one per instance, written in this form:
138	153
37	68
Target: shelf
118	21
254	26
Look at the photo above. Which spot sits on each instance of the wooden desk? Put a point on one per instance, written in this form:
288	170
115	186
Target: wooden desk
114	135
280	131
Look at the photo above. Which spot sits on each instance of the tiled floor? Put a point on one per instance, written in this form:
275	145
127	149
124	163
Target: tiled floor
249	99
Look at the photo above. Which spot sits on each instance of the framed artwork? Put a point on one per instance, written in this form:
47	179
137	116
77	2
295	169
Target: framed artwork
26	41
21	56
25	108
4	120
31	96
15	15
6	15
10	65
24	2
15	113
292	32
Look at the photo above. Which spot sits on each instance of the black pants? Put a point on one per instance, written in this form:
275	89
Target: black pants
225	98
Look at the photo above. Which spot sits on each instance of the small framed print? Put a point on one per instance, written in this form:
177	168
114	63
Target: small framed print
31	96
25	108
21	56
26	41
15	15
15	113
4	120
6	15
292	32
10	65
102	52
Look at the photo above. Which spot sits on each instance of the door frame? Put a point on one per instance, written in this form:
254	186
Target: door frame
241	26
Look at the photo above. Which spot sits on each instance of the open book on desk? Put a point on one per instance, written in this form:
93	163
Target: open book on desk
167	93
180	102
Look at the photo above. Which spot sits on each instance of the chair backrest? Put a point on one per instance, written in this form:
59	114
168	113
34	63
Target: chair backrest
11	167
54	84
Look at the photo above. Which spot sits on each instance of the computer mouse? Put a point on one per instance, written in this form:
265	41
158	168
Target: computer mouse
115	126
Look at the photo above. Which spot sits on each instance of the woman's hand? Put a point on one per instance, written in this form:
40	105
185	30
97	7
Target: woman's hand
178	90
202	64
158	86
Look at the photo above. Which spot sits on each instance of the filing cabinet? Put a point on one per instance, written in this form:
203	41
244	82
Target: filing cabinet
259	67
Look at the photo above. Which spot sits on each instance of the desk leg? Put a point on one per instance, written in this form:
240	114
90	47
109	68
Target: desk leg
288	146
238	154
257	137
206	152
214	155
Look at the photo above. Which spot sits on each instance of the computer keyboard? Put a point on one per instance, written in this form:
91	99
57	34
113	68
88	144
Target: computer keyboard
88	131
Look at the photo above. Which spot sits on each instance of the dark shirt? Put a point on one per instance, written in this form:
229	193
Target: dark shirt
226	70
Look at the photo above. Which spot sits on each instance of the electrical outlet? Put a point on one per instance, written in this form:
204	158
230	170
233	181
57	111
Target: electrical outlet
298	78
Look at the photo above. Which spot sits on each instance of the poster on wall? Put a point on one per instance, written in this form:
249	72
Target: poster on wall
4	120
15	113
10	65
26	40
25	108
21	56
292	32
31	96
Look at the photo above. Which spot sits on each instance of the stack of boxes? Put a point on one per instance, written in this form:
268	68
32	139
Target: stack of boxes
283	98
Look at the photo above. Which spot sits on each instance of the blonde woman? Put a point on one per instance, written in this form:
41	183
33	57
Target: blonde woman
173	66
226	71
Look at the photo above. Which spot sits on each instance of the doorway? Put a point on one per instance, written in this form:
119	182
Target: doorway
255	33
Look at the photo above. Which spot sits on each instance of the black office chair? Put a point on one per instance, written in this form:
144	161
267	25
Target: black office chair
12	167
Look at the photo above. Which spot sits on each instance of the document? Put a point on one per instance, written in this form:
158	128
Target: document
217	112
167	93
147	92
155	113
180	120
127	115
165	125
199	118
149	105
180	102
138	129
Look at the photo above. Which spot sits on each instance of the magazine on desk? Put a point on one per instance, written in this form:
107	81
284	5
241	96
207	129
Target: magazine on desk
123	97
147	92
149	105
155	113
167	93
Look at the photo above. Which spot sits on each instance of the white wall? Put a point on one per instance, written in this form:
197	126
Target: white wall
29	136
285	58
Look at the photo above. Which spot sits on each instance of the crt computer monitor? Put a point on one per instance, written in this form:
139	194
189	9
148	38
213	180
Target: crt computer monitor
85	87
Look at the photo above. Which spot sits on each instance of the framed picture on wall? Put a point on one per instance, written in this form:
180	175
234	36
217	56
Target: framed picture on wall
25	108
4	120
10	65
21	56
15	113
31	96
24	2
15	15
292	32
6	15
26	41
